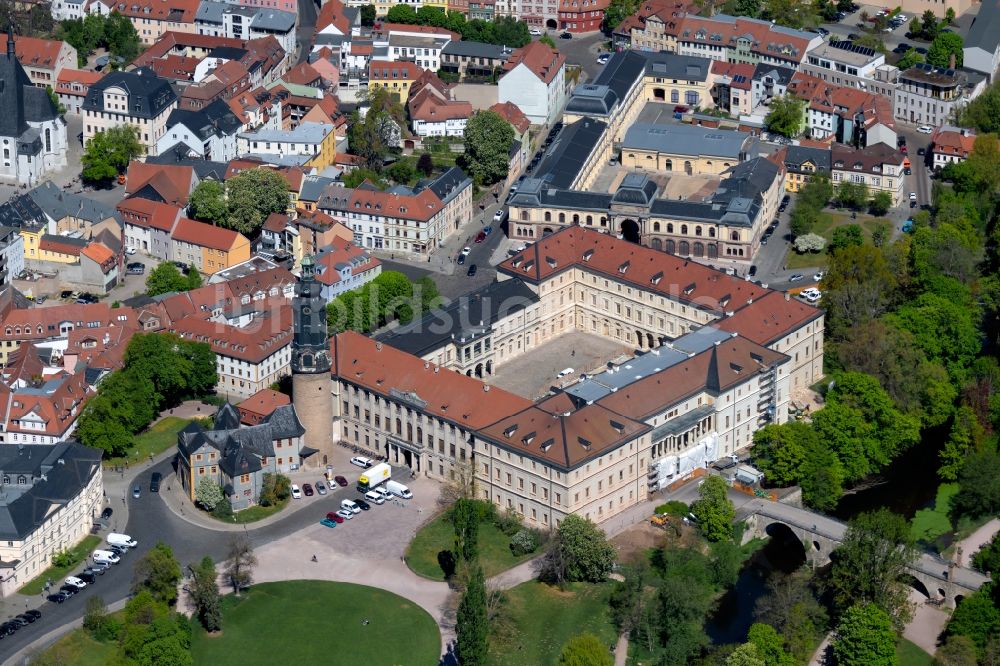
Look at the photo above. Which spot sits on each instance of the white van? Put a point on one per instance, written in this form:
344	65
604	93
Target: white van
398	489
105	557
362	462
348	505
374	497
123	540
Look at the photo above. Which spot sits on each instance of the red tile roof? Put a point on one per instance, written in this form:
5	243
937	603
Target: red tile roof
174	11
205	235
954	143
385	70
512	113
422	206
99	254
69	77
766	40
151	214
175	67
260	405
302	74
685	281
732	70
332	14
769	318
428	107
57	245
172	182
34	52
543	60
269	332
395	374
342	251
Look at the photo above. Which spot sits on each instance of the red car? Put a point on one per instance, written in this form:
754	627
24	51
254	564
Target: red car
341	481
481	237
307	489
334	517
902	149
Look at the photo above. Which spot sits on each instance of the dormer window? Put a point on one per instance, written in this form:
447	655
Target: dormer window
587	255
624	267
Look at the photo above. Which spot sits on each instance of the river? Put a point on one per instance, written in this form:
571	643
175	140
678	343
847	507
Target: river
905	487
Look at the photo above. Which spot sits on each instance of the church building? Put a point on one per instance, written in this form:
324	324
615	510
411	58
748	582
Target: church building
32	133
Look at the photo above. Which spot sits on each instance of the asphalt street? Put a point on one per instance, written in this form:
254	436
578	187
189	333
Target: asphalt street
151	521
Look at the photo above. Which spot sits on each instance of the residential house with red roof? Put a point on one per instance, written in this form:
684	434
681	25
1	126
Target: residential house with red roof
72	86
580	16
843	113
732	89
432	110
43	59
260	405
520	149
153	18
333	20
653	27
148	226
878	166
343	266
396	77
534	80
50	326
99	266
163	183
741	39
951	145
207	247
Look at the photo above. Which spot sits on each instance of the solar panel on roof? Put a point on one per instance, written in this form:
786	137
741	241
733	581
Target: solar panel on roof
739	78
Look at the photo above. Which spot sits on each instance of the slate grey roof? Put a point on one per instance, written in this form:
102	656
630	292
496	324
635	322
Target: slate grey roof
22	212
476	50
56	473
569	152
226	418
284	422
781	75
14	82
38	106
535	192
680	139
149	95
58	203
984	33
227	52
592	99
313	186
622	71
30	143
210	12
216	119
635	188
449	184
468	317
236	444
202	168
273	20
796	156
673	66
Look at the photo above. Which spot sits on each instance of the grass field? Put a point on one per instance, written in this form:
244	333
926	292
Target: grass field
438	535
255	513
828	221
56	574
545	617
314	622
910	654
160	437
79	649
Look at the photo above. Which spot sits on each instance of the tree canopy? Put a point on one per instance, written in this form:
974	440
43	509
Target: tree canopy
865	637
579	552
944	46
167	278
208	202
253	194
109	152
786	116
714	510
488	138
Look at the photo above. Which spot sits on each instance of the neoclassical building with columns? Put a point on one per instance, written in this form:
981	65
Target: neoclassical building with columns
716	358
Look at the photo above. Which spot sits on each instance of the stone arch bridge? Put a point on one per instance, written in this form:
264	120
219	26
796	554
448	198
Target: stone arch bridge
939	580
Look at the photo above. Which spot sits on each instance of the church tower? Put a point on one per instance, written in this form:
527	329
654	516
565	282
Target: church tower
311	382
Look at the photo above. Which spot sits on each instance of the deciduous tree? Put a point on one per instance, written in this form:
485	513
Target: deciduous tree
714	510
956	651
865	637
164	279
208	202
109	152
880	203
158	572
944	46
253	195
579	552
871	560
786	116
208	493
204	592
488	138
240	561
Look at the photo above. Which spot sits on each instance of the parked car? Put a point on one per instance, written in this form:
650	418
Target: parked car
326	522
903	149
361	462
461	260
383	492
59	597
500	215
96	569
26	618
69	589
154	482
40	299
487	230
472	270
308	490
921	151
925	129
345	514
296	492
752	271
819	276
535	32
321	488
36	614
334	517
87	577
480	237
913	196
363	504
566	35
341	481
603	58
86	298
136	491
795	278
374	497
135	268
466	250
107	513
350	505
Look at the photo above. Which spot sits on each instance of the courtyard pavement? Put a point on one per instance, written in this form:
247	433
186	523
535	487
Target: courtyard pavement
531	374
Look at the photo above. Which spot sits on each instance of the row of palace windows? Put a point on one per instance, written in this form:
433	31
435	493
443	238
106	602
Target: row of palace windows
657	227
685	248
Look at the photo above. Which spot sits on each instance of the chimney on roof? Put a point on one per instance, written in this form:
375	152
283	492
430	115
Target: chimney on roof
788	296
378	346
486	388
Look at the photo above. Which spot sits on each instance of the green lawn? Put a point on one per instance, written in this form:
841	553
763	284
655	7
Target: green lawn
438	535
314	622
82	550
910	654
545	617
828	221
255	513
160	437
79	649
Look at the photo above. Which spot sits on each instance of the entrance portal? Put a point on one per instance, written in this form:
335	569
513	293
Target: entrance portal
630	231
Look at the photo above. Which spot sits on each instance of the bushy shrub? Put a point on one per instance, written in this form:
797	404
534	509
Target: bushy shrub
65	558
524	542
673	508
508	522
223	510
